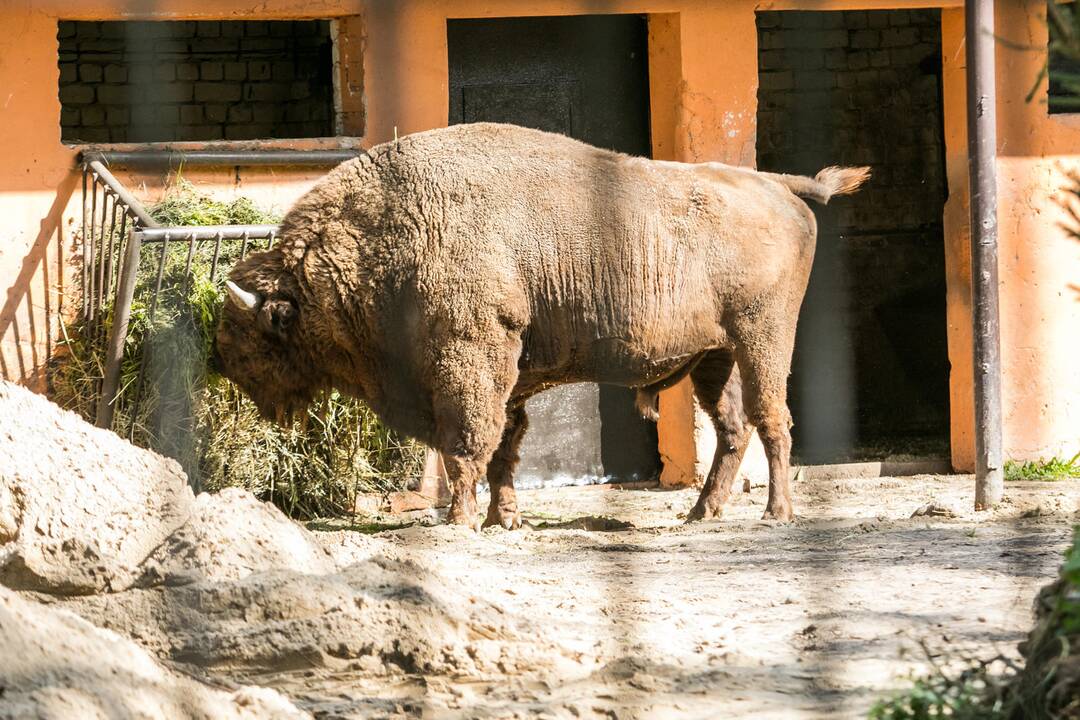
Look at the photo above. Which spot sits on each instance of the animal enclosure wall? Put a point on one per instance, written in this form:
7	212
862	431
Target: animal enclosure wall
870	372
206	80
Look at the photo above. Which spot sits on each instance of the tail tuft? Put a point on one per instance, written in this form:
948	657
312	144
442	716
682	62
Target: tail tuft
836	180
833	180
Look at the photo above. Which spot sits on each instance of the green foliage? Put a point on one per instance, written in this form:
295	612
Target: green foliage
185	206
1046	686
1063	22
1052	469
972	693
184	410
1068	602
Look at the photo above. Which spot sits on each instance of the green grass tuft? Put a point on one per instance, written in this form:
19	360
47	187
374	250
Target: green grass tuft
189	413
1052	469
972	692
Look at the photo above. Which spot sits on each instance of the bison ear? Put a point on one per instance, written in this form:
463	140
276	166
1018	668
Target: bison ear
281	314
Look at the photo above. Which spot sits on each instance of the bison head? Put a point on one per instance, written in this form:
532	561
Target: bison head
261	344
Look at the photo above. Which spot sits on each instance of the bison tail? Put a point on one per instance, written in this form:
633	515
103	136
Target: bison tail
833	180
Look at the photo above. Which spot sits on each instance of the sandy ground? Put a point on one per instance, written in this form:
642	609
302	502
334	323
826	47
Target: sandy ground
734	618
122	594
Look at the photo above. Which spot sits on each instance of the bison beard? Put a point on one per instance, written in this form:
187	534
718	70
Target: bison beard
446	277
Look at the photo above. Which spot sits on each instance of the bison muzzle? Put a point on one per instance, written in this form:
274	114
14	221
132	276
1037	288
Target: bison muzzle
447	276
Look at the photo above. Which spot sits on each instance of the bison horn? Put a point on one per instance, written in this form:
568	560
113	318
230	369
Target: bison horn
240	296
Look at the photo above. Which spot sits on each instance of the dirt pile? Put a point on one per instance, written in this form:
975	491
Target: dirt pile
376	617
57	665
80	508
221	583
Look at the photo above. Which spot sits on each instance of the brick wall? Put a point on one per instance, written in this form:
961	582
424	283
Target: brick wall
206	80
863	88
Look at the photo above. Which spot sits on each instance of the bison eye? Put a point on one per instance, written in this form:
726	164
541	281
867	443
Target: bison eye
280	314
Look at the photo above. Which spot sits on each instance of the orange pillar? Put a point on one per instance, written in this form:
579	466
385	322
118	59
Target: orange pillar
714	118
958	243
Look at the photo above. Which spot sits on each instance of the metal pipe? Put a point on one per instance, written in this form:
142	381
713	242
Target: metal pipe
121	192
982	158
114	356
206	232
219	158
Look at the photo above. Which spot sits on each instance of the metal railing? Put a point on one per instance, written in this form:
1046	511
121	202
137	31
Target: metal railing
111	260
101	248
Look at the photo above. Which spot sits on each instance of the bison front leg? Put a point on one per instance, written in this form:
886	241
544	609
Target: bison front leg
462	473
503	511
470	400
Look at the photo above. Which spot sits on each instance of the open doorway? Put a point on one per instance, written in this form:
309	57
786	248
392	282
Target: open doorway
586	77
870	373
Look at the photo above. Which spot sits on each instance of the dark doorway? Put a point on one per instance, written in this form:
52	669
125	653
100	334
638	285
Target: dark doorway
870	372
586	77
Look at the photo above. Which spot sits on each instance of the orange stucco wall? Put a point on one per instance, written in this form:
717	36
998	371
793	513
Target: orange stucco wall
1038	261
703	83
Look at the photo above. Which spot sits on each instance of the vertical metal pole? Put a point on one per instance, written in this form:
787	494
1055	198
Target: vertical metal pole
217	255
100	254
85	269
187	264
982	157
114	356
160	275
108	261
114	278
88	252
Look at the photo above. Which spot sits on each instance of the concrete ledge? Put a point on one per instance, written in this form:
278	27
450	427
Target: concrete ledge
883	468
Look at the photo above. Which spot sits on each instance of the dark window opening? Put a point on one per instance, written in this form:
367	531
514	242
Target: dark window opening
204	80
870	372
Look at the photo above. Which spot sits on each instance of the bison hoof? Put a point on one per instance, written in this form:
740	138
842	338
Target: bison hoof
705	511
469	520
782	514
506	518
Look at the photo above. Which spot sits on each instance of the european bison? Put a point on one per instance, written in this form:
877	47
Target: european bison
447	276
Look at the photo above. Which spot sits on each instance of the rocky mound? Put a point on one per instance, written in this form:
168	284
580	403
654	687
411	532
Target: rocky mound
222	583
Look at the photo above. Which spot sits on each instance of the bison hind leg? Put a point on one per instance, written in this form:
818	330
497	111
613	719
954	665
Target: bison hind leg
719	390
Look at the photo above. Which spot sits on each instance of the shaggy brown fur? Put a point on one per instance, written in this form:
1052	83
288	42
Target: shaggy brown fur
446	277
